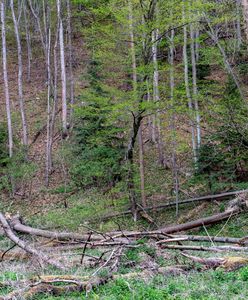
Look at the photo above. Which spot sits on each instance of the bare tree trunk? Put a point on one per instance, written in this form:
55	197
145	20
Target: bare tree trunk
245	13
142	167
63	71
173	120
156	99
20	78
238	24
38	25
187	88
195	89
28	42
6	82
226	62
48	144
71	77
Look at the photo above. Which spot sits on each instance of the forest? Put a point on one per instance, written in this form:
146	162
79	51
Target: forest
124	149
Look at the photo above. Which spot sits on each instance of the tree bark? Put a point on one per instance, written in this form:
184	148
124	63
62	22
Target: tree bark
187	88
20	78
195	89
173	121
28	42
5	78
9	233
63	71
71	77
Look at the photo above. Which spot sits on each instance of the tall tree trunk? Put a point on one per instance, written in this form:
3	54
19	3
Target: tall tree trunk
28	42
156	99
20	78
49	135
238	24
195	89
173	121
5	77
47	39
71	77
63	71
187	88
245	13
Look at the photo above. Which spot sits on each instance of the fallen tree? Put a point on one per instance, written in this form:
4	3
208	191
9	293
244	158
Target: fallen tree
235	207
222	196
38	254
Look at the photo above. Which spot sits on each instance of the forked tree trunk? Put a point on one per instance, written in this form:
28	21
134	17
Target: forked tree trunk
20	78
5	78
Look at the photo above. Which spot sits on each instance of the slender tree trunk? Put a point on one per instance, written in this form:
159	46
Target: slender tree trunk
71	77
238	24
39	26
173	121
226	62
195	89
63	71
28	42
20	78
5	77
48	65
156	99
187	88
245	13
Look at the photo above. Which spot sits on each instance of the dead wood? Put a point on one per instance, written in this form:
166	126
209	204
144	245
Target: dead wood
203	248
39	255
222	196
197	238
229	263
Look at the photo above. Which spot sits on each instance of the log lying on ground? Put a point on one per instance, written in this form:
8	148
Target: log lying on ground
39	255
236	206
229	263
200	238
203	248
222	196
45	288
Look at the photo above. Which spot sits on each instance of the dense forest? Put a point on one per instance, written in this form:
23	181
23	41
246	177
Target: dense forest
124	149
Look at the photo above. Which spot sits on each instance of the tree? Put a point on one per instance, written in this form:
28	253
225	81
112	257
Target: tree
5	77
20	77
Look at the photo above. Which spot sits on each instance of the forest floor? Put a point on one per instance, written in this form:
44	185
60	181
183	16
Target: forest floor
84	211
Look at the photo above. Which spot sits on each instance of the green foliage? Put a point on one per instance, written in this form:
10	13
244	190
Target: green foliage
98	145
18	172
3	145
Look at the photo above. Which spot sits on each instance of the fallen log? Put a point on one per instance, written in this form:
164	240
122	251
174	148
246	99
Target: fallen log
203	248
229	263
222	196
16	225
197	238
39	255
236	206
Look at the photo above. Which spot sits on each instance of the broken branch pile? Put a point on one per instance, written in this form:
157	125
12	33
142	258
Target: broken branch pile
160	239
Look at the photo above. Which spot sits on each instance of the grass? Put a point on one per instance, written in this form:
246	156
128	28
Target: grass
220	286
